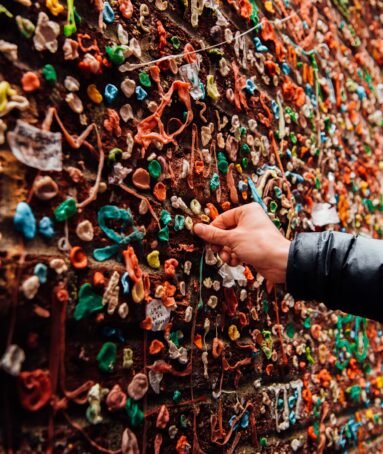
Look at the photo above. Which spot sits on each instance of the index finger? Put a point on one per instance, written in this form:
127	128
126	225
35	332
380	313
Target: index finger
228	219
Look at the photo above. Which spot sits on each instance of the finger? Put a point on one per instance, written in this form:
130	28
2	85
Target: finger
228	219
225	252
225	256
213	234
227	249
234	260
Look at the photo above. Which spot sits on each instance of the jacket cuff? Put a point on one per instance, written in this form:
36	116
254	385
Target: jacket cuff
302	277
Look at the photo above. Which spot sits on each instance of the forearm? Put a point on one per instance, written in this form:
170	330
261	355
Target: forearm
343	271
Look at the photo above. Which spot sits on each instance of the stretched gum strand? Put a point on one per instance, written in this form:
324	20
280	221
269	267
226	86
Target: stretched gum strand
171	120
162	35
280	165
219	124
194	147
173	177
216	434
276	309
310	19
60	300
141	197
206	172
165	368
192	344
239	95
190	175
154	411
198	149
213	422
236	440
202	111
243	362
76	142
78	395
246	346
133	67
322	427
145	135
268	118
94	444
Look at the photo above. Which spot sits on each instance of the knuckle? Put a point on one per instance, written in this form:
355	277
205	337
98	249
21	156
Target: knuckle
212	236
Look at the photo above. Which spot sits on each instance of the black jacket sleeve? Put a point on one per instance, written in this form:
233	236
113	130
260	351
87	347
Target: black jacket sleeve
343	271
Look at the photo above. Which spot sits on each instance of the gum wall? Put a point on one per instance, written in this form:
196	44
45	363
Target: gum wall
124	122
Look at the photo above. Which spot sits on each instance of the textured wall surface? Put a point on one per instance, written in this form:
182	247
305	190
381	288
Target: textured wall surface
122	123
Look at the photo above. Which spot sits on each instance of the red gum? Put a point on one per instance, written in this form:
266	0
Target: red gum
112	123
146	136
132	266
155	75
268	34
239	83
268	118
305	13
190	56
165	368
162	34
126	8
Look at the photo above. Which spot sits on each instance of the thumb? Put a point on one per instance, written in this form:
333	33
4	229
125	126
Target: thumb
212	234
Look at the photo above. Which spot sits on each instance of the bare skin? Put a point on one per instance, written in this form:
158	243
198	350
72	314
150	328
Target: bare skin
246	235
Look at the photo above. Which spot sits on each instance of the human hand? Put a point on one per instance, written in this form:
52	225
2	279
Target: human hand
246	234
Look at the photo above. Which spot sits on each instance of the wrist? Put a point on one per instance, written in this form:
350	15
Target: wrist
281	260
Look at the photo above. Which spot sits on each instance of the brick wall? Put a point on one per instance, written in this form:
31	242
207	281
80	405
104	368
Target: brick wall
163	360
